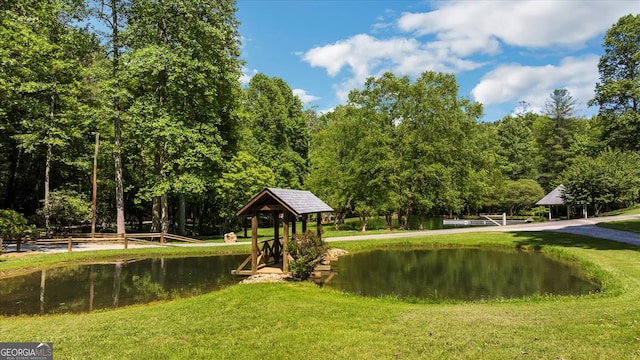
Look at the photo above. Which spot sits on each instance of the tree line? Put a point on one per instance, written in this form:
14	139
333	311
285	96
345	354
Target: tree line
184	144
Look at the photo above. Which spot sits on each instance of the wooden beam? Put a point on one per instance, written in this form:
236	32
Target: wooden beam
276	224
304	223
319	224
254	242
293	224
285	239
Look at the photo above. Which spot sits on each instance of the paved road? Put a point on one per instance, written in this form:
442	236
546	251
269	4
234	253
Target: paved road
578	226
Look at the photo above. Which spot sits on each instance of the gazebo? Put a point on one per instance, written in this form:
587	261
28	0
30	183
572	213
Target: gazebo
554	198
271	256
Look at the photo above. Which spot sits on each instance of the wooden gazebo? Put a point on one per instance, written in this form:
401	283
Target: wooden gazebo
270	256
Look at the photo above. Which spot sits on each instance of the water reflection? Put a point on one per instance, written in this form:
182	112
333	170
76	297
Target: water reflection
461	274
81	288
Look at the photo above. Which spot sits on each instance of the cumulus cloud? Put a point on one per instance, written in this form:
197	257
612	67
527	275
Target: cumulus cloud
459	36
304	97
467	27
247	74
364	56
515	82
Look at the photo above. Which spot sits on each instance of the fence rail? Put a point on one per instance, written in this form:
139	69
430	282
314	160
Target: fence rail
125	239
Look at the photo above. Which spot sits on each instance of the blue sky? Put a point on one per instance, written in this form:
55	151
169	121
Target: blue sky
502	52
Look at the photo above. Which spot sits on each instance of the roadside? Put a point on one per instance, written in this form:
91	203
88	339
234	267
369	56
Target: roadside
586	227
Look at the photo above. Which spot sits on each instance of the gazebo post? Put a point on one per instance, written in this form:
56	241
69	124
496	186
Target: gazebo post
319	224
293	224
304	223
276	224
285	239
254	243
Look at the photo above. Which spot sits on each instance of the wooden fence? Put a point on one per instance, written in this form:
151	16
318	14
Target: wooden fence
105	238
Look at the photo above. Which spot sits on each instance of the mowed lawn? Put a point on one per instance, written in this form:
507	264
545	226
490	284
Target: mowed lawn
626	225
302	321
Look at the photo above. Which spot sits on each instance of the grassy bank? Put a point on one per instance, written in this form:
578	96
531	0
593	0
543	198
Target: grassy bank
302	321
626	225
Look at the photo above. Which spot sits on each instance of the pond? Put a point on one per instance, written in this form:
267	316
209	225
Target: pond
456	274
82	288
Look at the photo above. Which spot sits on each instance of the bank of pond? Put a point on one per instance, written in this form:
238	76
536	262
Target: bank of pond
409	274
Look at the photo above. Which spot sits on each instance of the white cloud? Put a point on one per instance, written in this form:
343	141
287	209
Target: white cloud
365	56
515	82
462	35
468	27
247	74
304	97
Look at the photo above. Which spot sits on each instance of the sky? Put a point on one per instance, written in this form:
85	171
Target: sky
501	52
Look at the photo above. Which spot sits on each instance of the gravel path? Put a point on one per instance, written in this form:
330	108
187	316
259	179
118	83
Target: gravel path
579	226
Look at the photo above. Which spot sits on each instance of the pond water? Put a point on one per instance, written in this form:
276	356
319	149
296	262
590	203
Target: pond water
82	288
458	274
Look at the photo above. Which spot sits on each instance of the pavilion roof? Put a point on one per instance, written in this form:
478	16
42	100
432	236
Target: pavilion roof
298	202
553	198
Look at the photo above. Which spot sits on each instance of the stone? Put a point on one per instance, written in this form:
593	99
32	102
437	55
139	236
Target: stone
230	237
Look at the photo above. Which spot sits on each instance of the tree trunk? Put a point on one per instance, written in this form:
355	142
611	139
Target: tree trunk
47	207
182	226
363	223
10	194
388	218
47	170
117	153
420	219
164	219
155	214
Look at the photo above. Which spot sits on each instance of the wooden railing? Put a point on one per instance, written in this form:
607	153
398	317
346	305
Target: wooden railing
270	253
146	238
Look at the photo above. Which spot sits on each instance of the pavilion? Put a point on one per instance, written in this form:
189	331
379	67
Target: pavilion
271	256
554	198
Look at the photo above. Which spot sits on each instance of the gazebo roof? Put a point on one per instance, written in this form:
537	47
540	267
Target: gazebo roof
298	202
553	198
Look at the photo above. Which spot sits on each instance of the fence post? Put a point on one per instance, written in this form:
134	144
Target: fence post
69	245
125	239
162	237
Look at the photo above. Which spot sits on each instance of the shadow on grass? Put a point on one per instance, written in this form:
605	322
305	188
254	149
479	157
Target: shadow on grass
538	240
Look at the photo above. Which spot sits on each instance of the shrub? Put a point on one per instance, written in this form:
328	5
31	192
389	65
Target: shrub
307	250
13	225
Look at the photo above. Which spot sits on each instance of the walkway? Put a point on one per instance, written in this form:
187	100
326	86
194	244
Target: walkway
579	226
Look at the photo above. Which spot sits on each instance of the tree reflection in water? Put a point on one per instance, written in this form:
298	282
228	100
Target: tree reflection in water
82	288
457	274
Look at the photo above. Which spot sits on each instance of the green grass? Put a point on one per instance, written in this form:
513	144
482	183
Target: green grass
625	225
303	321
635	209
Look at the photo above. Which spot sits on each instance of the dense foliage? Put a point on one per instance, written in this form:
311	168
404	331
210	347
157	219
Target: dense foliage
307	250
183	143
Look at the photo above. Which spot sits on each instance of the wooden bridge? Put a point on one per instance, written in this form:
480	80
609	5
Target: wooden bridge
269	260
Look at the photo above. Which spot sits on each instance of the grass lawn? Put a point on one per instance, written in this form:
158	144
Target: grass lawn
303	321
626	225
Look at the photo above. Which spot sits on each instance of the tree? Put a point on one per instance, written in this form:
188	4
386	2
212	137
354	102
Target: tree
610	180
521	194
517	148
553	133
242	178
114	18
279	129
617	92
13	225
183	71
48	92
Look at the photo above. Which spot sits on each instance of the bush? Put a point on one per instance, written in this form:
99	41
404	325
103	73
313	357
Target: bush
13	225
307	250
